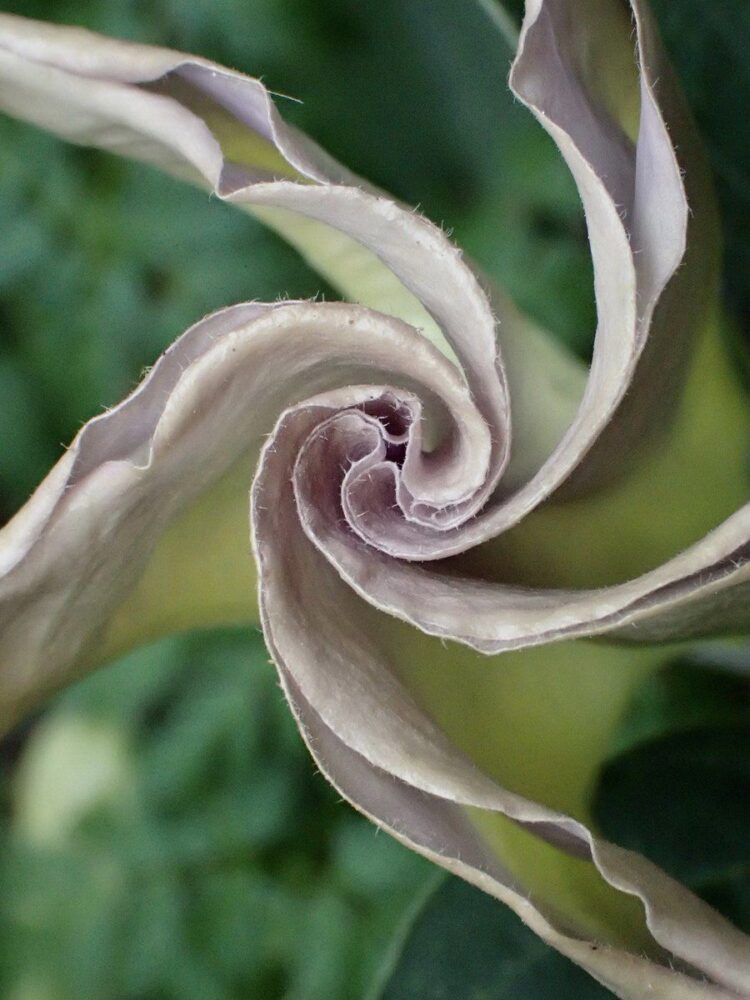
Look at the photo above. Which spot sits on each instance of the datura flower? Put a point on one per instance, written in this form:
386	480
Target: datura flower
433	478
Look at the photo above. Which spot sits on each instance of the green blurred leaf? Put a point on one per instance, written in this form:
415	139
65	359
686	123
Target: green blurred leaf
683	800
678	791
681	697
677	788
708	43
504	20
461	944
233	870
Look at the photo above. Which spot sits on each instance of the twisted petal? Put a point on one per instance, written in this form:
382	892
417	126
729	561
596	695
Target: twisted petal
387	441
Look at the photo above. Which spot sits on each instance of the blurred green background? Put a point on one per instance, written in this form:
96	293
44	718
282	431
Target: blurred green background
162	831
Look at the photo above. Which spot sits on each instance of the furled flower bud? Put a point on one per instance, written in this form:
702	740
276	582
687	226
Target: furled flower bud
419	461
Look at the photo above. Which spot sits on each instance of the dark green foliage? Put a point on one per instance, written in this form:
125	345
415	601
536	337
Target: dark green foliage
679	789
682	698
708	45
684	801
460	945
208	861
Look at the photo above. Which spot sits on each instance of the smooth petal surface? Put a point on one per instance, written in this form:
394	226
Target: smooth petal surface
391	440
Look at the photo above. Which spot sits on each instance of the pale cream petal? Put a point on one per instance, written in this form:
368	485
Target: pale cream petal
368	732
